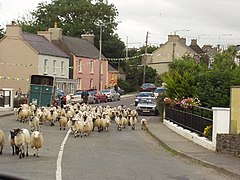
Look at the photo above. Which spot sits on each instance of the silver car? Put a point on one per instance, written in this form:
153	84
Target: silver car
111	94
144	95
147	106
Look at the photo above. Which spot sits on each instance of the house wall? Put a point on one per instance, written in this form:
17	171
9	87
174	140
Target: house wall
18	61
175	48
112	78
86	76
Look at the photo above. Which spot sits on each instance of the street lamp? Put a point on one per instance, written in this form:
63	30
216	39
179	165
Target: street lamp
180	30
201	36
219	38
100	50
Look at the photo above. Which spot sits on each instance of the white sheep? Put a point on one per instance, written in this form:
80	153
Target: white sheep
36	141
143	124
119	122
34	123
22	140
78	128
63	122
133	122
2	141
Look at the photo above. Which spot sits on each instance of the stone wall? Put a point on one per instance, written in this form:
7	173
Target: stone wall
228	143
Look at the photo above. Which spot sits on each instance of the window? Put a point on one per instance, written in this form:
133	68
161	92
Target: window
54	66
101	68
79	83
45	66
91	67
91	83
62	67
80	65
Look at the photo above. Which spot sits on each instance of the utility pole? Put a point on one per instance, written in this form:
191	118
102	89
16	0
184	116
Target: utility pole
127	48
100	56
145	59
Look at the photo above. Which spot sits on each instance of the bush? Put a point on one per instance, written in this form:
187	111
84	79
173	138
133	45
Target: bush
126	86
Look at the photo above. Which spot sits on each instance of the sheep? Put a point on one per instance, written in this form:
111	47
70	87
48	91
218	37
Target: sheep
143	124
11	136
78	128
87	128
133	122
34	123
22	140
2	137
36	141
63	122
119	122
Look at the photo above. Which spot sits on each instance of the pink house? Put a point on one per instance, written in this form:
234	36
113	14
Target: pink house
84	64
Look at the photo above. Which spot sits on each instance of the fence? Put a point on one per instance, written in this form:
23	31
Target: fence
195	119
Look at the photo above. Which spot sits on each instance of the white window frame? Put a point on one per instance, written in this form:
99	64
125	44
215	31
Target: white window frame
91	67
80	65
54	66
45	66
62	67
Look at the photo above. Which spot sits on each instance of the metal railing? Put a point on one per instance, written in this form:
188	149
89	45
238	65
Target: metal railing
195	119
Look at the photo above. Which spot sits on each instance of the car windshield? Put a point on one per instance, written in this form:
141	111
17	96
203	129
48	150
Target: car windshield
147	85
159	90
92	92
106	91
78	93
146	95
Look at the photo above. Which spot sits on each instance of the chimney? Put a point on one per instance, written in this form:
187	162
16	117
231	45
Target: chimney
13	30
183	40
173	38
56	32
88	37
46	34
194	42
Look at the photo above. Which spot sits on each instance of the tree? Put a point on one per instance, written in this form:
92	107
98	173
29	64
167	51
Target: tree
1	32
77	17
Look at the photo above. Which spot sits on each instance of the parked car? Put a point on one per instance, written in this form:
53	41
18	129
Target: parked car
96	97
147	87
144	95
158	91
111	94
77	97
147	106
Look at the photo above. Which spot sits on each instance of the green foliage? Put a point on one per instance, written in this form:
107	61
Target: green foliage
179	85
1	32
186	78
77	17
127	86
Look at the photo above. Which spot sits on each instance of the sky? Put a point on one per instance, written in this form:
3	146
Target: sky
209	21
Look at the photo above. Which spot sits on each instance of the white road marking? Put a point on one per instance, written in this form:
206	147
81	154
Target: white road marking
59	160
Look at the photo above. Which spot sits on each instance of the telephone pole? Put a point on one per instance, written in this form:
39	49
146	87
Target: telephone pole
145	59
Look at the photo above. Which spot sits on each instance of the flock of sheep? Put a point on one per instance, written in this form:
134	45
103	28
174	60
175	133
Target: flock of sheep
81	119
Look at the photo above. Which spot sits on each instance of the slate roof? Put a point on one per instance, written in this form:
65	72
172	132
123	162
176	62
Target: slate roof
42	45
111	69
196	48
80	47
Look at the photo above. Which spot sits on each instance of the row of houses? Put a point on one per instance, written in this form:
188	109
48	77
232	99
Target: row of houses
73	62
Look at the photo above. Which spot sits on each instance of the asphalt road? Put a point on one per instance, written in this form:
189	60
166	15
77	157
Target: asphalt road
112	155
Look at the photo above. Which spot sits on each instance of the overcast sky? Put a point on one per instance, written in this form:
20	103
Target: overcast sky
209	21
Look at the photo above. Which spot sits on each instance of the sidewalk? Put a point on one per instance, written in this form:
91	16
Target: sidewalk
181	146
186	148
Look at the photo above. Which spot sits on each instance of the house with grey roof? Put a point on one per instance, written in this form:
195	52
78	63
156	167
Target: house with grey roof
204	58
24	54
85	65
174	48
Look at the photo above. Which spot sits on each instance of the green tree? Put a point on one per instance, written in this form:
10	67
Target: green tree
77	17
1	32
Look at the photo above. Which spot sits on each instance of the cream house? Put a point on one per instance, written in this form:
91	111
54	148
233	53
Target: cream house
174	48
23	54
